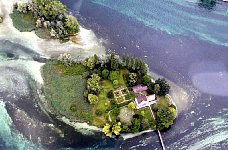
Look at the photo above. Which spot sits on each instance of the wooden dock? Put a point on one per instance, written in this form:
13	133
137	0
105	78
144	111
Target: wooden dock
159	133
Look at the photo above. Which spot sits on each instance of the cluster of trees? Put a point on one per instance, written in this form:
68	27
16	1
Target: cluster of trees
51	14
134	65
111	128
160	87
138	123
165	117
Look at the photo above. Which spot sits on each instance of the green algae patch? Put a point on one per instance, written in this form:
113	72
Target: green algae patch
65	93
24	22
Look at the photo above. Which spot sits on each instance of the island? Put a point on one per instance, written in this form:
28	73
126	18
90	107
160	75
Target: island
117	95
111	93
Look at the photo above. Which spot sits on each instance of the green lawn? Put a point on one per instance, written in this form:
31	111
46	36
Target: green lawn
23	22
64	93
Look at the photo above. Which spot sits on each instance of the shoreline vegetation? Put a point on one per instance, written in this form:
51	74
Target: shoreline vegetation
96	90
87	91
48	18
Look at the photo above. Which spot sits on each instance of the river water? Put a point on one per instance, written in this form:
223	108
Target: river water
180	40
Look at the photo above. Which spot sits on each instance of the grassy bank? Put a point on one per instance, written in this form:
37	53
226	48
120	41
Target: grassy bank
23	22
64	91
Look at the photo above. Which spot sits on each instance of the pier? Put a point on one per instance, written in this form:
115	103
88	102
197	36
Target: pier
159	133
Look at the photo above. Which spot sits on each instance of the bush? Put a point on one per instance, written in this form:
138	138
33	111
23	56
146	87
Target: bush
114	75
146	80
105	73
73	107
71	25
99	112
164	87
115	84
93	99
49	9
116	111
110	94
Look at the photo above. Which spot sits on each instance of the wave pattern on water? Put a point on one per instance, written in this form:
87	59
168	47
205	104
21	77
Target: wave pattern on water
11	139
212	134
176	17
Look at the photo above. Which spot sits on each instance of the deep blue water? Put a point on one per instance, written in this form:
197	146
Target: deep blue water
182	41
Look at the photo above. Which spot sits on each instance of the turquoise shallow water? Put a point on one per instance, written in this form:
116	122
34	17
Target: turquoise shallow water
176	17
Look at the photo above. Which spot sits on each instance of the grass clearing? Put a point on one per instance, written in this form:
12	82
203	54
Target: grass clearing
23	22
65	94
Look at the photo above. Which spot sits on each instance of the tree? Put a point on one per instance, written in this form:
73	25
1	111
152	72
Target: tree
165	117
116	128
115	84
110	94
71	25
135	125
132	78
156	88
164	86
105	73
49	9
143	68
114	62
93	83
106	130
146	80
90	62
132	106
93	99
145	124
114	75
116	111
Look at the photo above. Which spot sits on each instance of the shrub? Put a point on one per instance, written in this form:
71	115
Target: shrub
132	78
115	84
116	111
105	73
93	99
164	87
114	75
132	106
73	107
110	94
50	9
99	112
129	96
146	80
71	25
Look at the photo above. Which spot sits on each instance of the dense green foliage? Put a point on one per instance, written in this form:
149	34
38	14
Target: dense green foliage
105	73
132	79
114	75
165	117
50	9
163	86
93	84
93	99
47	17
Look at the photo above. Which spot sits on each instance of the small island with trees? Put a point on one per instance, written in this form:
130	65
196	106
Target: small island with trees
112	93
48	18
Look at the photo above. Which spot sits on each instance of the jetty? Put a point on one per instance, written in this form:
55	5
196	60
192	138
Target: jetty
159	133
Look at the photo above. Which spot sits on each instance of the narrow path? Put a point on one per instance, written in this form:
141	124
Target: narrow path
159	133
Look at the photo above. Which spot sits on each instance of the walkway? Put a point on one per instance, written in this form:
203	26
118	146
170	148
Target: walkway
159	133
